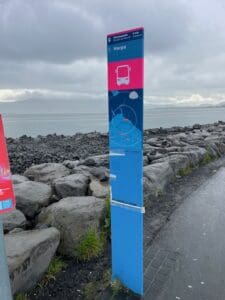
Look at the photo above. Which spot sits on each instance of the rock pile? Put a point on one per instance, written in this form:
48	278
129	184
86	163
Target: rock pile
183	149
56	205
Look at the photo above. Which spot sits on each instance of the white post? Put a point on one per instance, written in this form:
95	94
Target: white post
5	288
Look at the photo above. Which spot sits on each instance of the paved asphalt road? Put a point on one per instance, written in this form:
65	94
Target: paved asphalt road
187	259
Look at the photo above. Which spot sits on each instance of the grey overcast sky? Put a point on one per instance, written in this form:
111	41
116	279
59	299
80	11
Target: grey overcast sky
56	49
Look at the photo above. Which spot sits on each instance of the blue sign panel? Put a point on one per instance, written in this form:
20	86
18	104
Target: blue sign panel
126	176
125	94
124	50
127	237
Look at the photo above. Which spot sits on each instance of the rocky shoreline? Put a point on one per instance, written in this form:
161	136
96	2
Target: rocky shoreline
26	151
61	183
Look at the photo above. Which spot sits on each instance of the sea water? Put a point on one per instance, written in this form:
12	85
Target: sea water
69	124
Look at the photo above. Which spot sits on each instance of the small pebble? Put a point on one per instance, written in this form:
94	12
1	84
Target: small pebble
190	286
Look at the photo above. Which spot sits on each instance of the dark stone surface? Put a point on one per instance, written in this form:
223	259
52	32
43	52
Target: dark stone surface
26	151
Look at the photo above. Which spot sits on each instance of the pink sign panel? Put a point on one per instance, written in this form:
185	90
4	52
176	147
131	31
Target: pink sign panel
7	199
125	74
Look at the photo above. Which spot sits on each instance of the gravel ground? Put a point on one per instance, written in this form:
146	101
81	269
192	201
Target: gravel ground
71	282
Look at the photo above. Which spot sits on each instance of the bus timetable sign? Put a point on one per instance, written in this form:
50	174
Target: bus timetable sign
7	199
125	96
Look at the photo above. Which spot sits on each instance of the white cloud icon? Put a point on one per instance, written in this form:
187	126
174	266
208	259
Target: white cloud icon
133	95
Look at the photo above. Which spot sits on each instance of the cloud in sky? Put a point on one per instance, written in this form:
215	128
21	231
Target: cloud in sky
57	49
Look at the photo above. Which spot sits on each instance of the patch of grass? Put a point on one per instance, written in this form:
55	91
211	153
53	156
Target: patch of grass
21	296
106	278
54	268
105	221
118	288
207	158
90	291
186	171
90	246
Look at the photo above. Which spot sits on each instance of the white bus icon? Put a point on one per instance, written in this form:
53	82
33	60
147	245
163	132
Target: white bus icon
123	74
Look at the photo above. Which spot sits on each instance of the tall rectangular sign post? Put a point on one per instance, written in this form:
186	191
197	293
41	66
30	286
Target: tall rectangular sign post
7	204
125	96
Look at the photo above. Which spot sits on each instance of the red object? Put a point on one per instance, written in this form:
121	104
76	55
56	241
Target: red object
126	74
125	31
7	198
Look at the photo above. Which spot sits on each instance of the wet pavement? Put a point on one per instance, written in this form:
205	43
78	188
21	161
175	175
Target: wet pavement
187	259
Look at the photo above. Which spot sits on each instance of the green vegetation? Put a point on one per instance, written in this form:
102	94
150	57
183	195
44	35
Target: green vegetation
105	221
93	290
21	296
90	246
207	158
186	171
90	291
54	268
118	288
106	278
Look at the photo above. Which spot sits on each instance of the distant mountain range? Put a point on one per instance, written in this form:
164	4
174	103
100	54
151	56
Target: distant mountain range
37	106
222	104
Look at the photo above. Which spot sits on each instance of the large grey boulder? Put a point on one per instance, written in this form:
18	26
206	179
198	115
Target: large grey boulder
32	196
101	173
212	139
18	179
145	160
195	155
97	161
159	175
221	148
155	141
84	170
149	190
47	172
176	161
71	164
29	254
13	219
72	216
99	189
146	148
72	185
